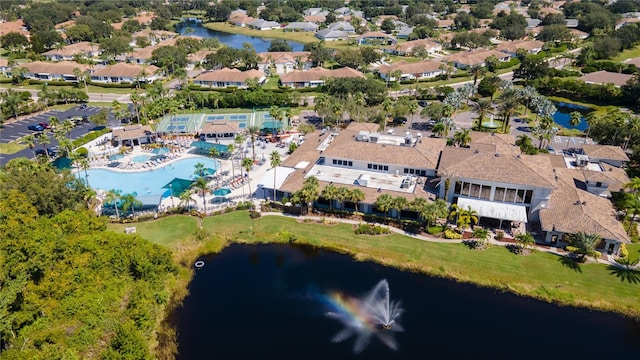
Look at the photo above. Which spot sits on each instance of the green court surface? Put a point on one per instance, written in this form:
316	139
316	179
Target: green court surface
192	123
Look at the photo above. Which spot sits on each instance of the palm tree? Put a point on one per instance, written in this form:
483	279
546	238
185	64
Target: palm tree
465	218
384	203
130	201
30	141
435	210
213	152
400	203
585	244
275	162
481	234
631	206
482	107
201	184
308	193
527	94
419	205
462	138
476	71
114	196
508	106
253	132
525	240
575	118
247	164
83	164
185	197
355	196
413	109
633	185
387	105
330	192
117	107
199	169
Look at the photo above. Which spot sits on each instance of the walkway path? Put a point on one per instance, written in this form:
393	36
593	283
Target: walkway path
492	241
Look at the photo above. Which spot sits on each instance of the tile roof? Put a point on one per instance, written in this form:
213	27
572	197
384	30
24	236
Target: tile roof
513	46
126	70
72	49
315	18
607	152
211	127
475	57
317	73
376	34
65	24
527	170
132	132
409	46
4	62
284	56
635	61
14	26
62	67
199	55
606	77
570	210
230	75
411	68
148	33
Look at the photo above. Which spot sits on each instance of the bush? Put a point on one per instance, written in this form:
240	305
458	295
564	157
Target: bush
82	151
450	234
623	251
89	137
122	85
433	230
201	234
372	230
254	214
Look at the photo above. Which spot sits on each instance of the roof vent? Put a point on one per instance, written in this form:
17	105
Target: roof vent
518	156
497	155
476	151
584	203
493	134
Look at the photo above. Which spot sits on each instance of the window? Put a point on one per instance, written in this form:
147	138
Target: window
520	197
598	184
369	166
510	195
499	194
465	188
375	166
350	163
386	168
411	171
457	188
406	171
335	161
475	191
423	172
485	192
527	196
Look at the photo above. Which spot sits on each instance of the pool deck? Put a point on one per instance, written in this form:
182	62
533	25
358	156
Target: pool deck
182	150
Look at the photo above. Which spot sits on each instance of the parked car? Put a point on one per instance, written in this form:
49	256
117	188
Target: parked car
45	125
83	106
36	127
422	103
43	153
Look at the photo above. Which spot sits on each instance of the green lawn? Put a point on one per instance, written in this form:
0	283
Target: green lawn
627	54
11	148
634	251
539	275
272	83
91	88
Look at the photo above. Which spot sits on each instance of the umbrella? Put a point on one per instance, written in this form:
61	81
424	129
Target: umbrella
116	157
222	192
178	186
208	172
160	151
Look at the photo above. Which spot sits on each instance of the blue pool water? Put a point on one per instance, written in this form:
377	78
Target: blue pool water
141	158
563	115
148	182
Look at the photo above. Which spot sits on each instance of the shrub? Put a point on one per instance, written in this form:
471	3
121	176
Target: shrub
254	214
372	230
201	234
435	229
450	234
623	251
90	136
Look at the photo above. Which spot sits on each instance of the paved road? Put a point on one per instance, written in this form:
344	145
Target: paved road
93	97
17	129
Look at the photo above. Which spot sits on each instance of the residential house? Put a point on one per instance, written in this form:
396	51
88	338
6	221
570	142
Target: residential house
466	59
612	155
314	11
343	26
316	19
444	24
198	56
511	47
578	34
283	62
126	73
342	11
260	24
154	36
380	19
316	76
14	26
626	21
606	77
633	61
331	35
572	23
83	48
229	78
532	23
411	71
407	48
240	19
60	71
4	66
376	37
133	135
405	32
304	26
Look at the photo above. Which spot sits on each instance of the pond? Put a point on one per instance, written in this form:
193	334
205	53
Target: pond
563	115
231	40
271	302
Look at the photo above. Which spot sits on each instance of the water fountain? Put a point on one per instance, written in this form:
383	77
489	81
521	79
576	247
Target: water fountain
490	124
373	314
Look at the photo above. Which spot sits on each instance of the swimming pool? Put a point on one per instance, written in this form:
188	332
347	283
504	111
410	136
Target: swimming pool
148	182
141	158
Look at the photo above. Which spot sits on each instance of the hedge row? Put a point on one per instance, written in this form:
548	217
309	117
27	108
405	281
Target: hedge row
89	137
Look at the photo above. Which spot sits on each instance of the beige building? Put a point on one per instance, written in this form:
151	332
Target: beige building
229	78
126	73
133	135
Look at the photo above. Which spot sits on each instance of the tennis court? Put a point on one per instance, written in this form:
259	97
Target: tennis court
192	123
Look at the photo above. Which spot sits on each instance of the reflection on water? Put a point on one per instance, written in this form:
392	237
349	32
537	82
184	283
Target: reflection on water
259	302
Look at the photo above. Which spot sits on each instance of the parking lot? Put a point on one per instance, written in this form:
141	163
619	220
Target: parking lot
18	129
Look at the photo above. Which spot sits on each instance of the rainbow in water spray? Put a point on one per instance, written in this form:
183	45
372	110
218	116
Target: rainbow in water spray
373	314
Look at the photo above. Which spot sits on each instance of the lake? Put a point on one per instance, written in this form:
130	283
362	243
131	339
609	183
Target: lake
269	302
231	40
563	115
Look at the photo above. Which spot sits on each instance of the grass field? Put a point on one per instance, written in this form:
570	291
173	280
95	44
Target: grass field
302	37
11	148
91	88
540	275
628	54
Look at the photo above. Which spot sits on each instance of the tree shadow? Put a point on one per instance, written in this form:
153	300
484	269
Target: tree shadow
625	270
570	263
